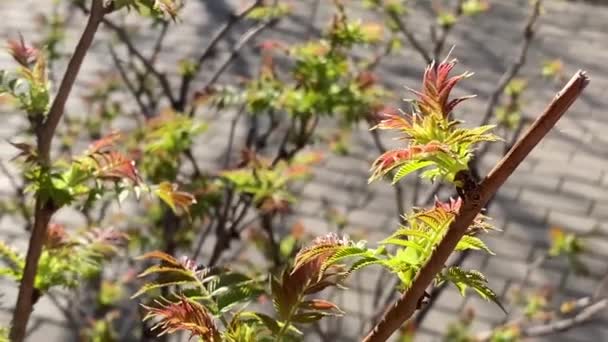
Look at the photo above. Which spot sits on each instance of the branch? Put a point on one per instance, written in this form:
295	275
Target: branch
513	70
130	86
474	201
236	50
589	309
47	131
439	43
44	209
148	63
187	79
411	38
565	324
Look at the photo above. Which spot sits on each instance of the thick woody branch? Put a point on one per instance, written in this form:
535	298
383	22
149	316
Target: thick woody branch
44	209
47	131
474	201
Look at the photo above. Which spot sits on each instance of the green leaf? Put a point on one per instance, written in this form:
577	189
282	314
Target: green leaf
269	322
363	263
343	253
409	168
235	295
411	233
404	243
157	285
9	256
464	279
472	242
178	201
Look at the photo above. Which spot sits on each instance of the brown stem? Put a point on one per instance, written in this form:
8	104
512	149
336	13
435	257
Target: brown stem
47	131
44	208
474	201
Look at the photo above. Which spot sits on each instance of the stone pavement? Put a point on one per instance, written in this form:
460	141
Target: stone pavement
564	183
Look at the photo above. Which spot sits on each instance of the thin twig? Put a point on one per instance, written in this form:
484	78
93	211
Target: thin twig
210	50
513	70
236	49
25	212
474	201
584	315
124	37
440	42
411	38
130	86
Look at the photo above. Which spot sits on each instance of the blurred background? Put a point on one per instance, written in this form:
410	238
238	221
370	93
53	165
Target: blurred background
553	212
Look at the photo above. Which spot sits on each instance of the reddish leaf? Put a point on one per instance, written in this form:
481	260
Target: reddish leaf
186	315
22	52
115	166
56	236
28	151
101	144
176	200
183	263
393	158
436	89
320	304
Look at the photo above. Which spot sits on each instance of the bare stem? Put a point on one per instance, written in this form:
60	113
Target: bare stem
474	201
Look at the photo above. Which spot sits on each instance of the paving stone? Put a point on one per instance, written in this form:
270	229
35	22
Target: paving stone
566	169
438	321
597	246
572	204
563	180
584	189
527	233
485	310
450	299
574	223
583	285
504	247
516	270
600	211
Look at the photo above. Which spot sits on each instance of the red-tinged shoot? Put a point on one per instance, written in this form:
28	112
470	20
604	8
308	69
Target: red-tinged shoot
22	53
435	143
183	315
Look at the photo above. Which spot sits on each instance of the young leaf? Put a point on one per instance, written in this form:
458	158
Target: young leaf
178	201
184	314
464	279
471	242
409	168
